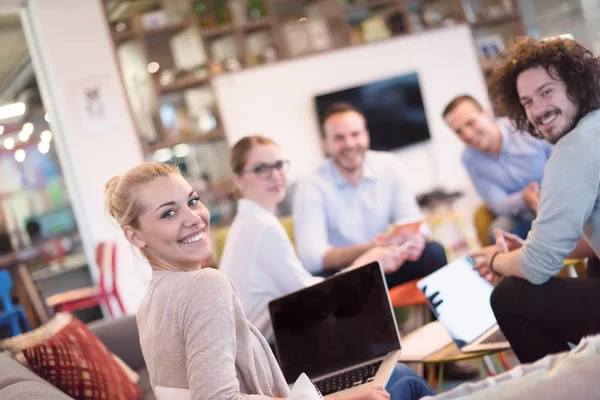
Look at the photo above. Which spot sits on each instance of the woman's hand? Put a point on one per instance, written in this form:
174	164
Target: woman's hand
371	393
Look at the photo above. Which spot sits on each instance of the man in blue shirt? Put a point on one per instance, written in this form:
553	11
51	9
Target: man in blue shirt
505	165
343	210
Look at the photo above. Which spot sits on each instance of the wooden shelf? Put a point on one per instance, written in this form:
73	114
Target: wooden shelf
120	37
183	84
216	134
173	27
216	32
497	21
362	4
255	25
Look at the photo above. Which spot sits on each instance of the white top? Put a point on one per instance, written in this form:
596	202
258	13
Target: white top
194	336
329	212
260	260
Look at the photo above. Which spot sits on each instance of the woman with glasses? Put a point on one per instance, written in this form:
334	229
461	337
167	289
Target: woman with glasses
259	257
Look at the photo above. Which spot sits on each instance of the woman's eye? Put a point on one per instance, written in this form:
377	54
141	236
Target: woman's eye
260	169
168	214
193	202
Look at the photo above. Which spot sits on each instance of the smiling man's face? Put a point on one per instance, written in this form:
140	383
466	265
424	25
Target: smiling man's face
546	103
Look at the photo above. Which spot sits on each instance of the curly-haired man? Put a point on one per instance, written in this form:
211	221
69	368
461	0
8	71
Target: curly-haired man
551	89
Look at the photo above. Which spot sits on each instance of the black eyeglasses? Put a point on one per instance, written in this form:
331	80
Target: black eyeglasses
265	171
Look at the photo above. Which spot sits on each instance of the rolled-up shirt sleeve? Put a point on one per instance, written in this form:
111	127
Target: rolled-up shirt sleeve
310	225
569	193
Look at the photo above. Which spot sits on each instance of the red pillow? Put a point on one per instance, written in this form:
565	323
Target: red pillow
75	361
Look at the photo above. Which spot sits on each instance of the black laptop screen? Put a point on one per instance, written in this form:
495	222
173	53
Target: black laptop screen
340	322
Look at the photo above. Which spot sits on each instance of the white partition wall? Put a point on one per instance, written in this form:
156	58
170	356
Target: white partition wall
73	53
277	100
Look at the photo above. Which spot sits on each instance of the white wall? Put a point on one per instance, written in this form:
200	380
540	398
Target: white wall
70	43
277	100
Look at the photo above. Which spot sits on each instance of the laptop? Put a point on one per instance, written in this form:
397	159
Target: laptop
341	332
460	299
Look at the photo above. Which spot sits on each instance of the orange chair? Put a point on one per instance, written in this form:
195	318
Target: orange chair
91	296
407	295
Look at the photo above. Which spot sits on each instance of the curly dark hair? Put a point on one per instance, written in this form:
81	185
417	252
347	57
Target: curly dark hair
564	59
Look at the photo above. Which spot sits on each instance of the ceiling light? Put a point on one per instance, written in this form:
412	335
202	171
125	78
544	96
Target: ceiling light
163	155
27	127
9	143
181	150
23	136
20	155
47	117
12	110
46	136
153	67
43	147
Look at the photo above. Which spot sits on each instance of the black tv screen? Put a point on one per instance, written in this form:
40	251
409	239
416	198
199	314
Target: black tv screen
393	108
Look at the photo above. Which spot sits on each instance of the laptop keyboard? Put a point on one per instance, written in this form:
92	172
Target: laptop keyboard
348	379
495	337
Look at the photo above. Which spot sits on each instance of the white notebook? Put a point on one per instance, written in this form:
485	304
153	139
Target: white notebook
430	338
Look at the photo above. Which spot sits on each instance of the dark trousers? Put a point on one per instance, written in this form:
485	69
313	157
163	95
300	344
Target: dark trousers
543	319
432	259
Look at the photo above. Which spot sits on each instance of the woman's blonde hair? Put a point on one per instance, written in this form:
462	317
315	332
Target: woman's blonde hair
240	150
120	197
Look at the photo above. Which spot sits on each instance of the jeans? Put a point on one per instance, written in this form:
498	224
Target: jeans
432	259
405	384
520	226
543	319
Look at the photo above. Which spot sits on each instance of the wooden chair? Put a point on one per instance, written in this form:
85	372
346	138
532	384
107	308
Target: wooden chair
91	296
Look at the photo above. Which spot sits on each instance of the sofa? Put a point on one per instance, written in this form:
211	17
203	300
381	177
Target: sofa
120	336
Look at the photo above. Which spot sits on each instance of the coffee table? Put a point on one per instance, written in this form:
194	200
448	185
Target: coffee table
494	361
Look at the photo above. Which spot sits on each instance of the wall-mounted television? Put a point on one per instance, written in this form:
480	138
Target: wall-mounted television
393	107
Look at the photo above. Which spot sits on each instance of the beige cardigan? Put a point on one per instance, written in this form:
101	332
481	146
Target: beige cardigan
194	335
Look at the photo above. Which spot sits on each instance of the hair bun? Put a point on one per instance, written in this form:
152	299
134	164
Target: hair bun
109	190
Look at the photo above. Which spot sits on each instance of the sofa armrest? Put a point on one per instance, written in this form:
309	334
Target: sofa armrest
121	337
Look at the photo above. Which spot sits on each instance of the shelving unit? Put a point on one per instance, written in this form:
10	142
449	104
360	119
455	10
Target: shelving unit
214	135
215	50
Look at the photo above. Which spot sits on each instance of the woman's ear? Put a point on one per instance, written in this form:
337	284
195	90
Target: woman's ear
237	182
134	238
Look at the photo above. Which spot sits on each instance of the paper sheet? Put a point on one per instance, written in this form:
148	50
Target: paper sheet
429	339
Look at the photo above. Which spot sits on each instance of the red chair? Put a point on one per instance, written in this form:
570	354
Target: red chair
87	297
407	295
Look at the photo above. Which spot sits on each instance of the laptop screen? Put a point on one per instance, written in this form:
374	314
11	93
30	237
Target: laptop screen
340	322
462	304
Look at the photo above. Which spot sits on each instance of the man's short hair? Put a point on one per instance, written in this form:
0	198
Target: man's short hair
458	100
335	109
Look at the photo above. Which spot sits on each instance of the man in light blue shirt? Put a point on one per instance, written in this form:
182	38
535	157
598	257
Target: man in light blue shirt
505	165
342	211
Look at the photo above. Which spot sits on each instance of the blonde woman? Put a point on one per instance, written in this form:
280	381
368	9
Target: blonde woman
195	338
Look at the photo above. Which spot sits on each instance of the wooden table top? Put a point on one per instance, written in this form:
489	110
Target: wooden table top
450	353
18	257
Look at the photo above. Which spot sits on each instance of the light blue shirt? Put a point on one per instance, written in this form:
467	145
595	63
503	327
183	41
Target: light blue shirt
500	180
329	212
